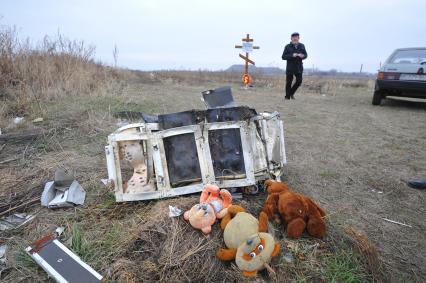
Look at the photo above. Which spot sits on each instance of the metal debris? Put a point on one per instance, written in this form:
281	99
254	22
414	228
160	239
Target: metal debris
60	263
174	211
64	191
396	222
18	120
178	153
38	120
3	250
15	221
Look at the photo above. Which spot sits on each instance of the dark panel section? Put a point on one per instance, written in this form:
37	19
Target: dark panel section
179	119
182	160
219	97
65	265
227	153
240	113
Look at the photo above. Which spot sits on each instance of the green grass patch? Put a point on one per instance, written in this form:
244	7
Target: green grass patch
345	266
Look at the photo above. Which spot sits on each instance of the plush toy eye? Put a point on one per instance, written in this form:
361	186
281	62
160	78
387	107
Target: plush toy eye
252	254
260	248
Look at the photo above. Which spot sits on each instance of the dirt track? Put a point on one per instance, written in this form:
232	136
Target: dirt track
352	157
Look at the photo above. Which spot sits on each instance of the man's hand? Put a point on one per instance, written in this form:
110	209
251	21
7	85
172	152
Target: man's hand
301	55
295	54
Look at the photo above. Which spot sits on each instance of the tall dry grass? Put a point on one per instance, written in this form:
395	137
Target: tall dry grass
55	67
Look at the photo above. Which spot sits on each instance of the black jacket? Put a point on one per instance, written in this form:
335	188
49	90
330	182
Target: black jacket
294	64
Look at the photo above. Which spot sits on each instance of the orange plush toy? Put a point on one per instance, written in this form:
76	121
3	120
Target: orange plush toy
297	210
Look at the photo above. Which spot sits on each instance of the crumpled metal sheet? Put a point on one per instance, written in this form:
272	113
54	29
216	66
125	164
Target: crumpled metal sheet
15	221
219	97
64	191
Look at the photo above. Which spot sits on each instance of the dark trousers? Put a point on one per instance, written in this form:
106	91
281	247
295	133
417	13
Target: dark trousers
291	90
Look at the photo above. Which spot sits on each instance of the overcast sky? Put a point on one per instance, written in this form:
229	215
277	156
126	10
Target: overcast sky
189	34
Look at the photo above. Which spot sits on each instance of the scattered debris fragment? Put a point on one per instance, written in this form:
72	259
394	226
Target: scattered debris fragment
61	263
64	191
18	120
396	222
106	182
237	196
3	260
29	202
38	120
179	153
174	211
15	221
288	256
21	135
3	250
59	231
417	184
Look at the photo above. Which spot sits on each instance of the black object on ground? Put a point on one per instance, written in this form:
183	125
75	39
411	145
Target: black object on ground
417	184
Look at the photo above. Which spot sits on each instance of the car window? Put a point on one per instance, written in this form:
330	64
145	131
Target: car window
414	56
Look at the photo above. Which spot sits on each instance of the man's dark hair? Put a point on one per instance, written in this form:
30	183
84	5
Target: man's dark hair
294	34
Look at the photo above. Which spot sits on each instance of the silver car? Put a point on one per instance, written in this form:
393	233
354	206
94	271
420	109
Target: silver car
403	74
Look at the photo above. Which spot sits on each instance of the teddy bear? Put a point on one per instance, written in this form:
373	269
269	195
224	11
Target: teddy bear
213	205
246	241
298	211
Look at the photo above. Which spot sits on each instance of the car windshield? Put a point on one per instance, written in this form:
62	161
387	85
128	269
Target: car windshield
413	56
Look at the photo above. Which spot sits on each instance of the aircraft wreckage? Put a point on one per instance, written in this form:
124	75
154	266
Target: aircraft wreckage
174	154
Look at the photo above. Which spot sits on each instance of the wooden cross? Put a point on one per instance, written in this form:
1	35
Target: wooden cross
248	47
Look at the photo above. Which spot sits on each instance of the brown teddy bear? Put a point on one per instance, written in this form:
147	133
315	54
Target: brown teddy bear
298	211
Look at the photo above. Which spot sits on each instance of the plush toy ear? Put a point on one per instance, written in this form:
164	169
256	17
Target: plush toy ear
271	205
269	182
277	187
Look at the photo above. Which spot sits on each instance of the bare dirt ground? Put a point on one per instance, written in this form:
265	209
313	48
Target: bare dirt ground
350	156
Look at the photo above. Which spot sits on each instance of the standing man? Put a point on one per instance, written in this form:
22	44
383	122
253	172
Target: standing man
294	53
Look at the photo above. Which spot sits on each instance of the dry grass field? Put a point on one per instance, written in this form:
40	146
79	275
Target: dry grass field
352	157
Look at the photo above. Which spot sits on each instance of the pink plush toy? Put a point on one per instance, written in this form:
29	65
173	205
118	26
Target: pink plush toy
219	199
213	205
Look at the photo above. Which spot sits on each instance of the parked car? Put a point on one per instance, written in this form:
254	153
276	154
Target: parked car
403	74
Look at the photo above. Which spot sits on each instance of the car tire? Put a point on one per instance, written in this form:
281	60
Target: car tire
377	97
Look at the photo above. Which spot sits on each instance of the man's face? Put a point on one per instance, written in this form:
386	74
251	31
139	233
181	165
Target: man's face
295	39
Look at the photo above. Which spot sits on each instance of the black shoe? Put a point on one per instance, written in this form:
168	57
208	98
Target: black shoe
287	97
292	97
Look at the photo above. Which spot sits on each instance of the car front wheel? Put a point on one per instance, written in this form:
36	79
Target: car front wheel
377	97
